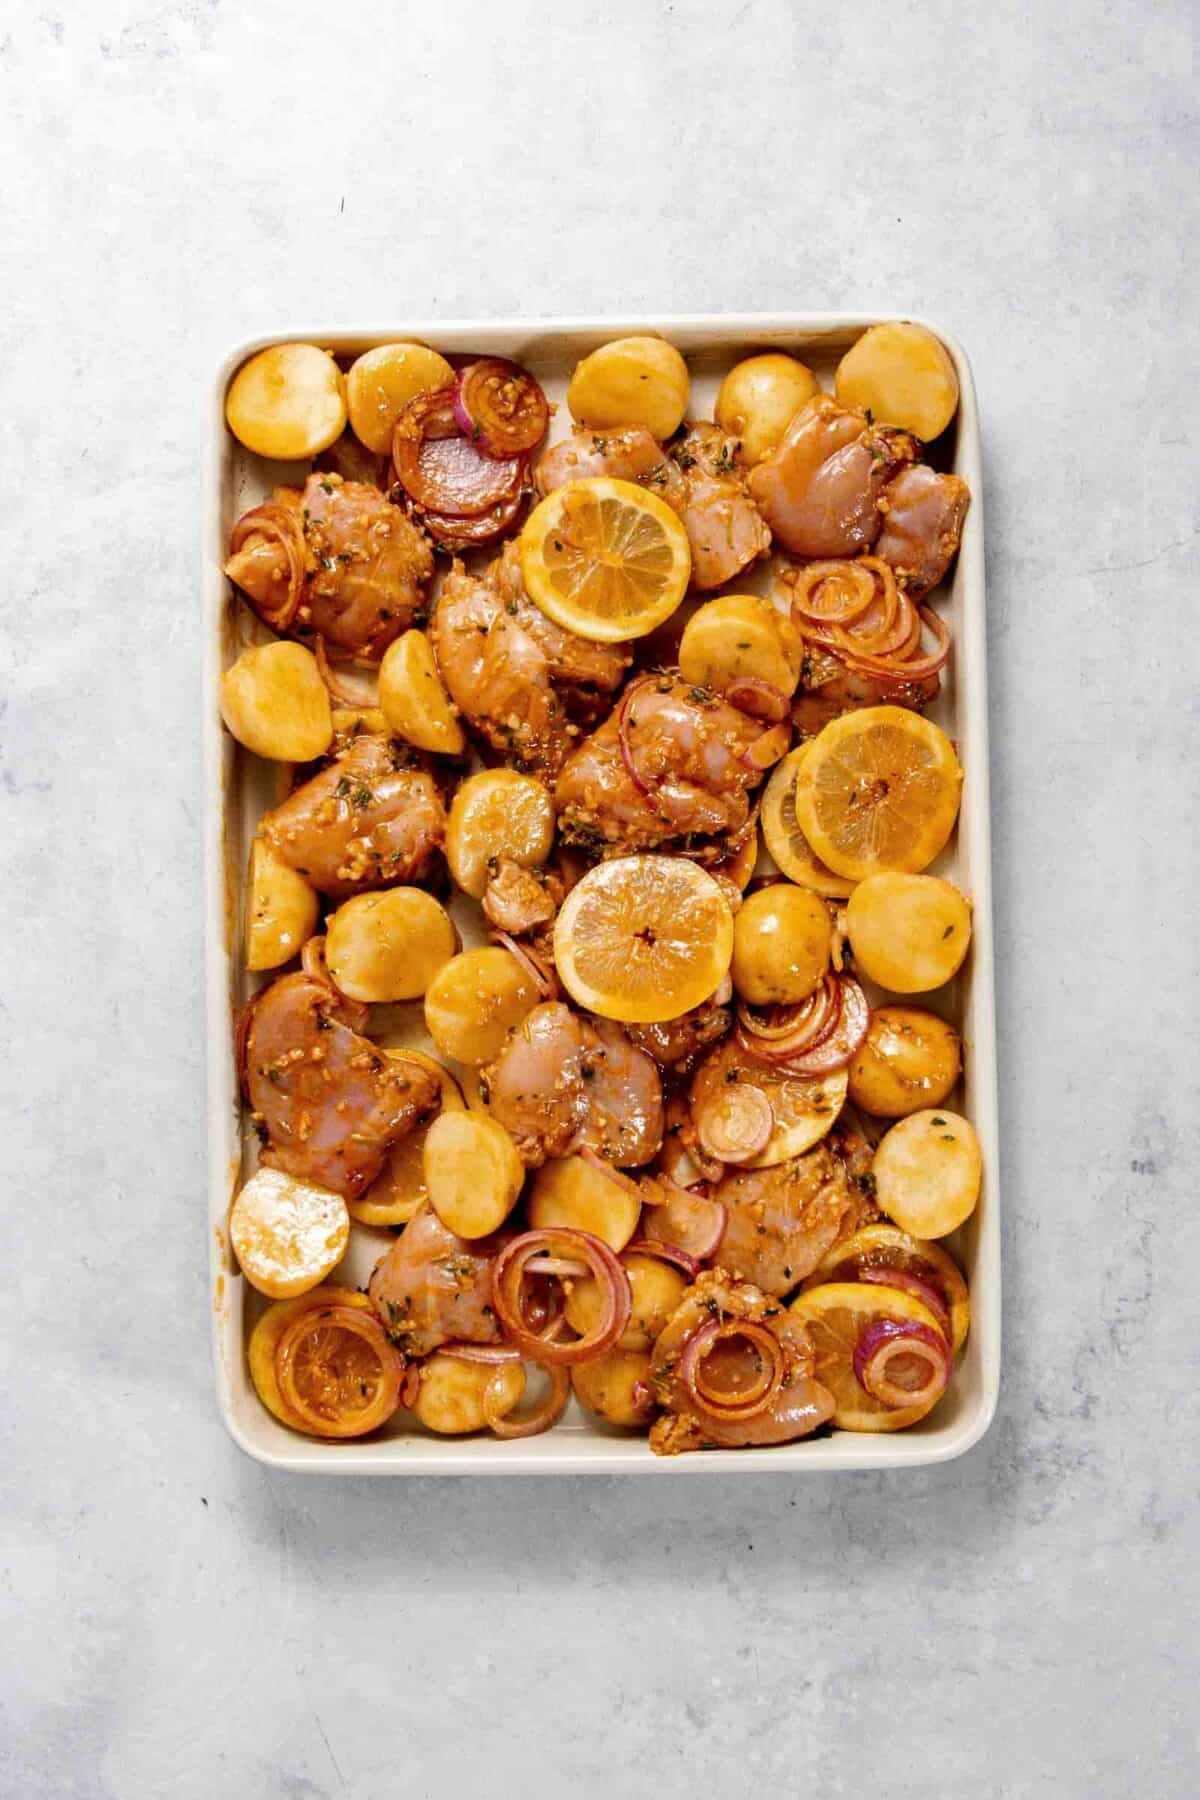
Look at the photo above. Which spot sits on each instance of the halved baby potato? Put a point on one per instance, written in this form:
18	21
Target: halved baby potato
902	375
414	702
760	397
282	909
909	1061
399	1188
928	1170
388	946
288	402
450	1400
740	637
473	1172
632	381
616	1387
570	1191
656	1287
782	937
910	933
497	813
287	1234
274	702
475	1000
381	382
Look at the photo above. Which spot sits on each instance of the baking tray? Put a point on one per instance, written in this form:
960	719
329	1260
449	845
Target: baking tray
238	787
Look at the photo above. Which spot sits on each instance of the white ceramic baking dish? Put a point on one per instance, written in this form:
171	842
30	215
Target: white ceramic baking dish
237	788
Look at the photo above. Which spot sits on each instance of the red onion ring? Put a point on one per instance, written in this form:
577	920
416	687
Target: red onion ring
588	1155
500	407
541	977
735	1123
454	533
693	1223
671	1253
768	748
547	1413
623	744
442	471
885	1339
760	699
843	1042
281	525
508	1275
722	1403
922	1290
792	1028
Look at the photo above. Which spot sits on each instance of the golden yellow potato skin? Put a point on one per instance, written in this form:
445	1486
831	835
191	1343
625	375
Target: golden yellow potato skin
264	1340
389	945
910	933
928	1170
569	1191
781	943
497	813
474	1001
911	1060
399	1189
632	381
605	1386
281	909
288	402
657	1288
450	1399
413	700
274	702
760	397
381	382
472	1171
902	375
739	637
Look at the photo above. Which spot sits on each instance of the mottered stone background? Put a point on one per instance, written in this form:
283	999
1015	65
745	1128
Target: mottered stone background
179	1622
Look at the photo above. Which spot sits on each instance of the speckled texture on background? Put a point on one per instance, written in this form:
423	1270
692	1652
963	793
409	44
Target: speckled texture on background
176	1622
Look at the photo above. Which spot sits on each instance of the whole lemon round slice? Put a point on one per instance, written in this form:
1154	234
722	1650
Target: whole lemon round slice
605	559
643	938
877	789
837	1314
785	840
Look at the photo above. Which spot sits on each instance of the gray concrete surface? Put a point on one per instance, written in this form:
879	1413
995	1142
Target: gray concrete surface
176	1622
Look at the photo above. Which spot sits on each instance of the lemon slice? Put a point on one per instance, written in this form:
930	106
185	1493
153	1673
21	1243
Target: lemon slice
264	1340
785	840
605	559
837	1315
643	938
878	789
287	1234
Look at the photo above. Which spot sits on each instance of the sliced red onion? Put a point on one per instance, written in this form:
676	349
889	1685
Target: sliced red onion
500	407
548	1411
666	1253
545	983
758	698
508	1276
847	1036
735	1122
768	748
557	1265
723	1403
687	1221
884	1342
921	1290
481	1353
792	1030
597	1162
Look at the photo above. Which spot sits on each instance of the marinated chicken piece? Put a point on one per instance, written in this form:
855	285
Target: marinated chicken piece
434	1288
520	681
830	687
331	1104
735	1364
819	489
923	515
366	566
370	819
678	1044
694	756
781	1222
725	528
627	453
522	902
564	1083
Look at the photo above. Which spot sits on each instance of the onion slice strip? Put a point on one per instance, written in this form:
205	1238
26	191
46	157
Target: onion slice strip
883	1343
726	1403
542	977
276	524
549	1410
508	1276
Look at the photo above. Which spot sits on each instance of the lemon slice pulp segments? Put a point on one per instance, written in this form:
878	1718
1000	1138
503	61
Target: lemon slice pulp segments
878	789
788	845
837	1315
643	938
605	559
